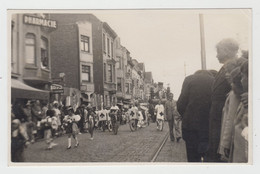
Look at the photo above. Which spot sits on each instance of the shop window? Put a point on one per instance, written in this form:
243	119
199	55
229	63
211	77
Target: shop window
30	45
85	73
44	53
119	85
84	43
109	70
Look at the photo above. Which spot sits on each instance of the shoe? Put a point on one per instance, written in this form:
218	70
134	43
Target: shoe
91	138
178	139
69	147
172	139
79	133
76	145
53	144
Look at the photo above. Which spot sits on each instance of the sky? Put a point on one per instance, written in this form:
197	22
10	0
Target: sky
167	40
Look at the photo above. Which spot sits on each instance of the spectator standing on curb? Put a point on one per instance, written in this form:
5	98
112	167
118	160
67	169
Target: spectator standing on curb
194	106
227	50
19	140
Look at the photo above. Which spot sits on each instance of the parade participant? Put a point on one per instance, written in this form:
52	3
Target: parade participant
173	118
57	130
47	124
80	111
159	112
19	140
29	124
71	126
227	50
140	117
151	110
91	121
194	106
36	117
102	117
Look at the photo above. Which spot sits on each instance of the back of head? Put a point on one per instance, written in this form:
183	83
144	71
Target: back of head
229	46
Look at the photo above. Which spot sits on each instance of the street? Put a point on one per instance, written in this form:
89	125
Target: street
126	146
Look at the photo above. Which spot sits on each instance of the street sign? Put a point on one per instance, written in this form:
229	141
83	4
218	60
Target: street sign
57	88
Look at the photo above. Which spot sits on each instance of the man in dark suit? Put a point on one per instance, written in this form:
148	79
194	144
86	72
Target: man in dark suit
194	106
226	50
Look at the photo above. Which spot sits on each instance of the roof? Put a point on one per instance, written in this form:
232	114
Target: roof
109	30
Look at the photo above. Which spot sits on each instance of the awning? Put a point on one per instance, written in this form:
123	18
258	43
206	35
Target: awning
21	90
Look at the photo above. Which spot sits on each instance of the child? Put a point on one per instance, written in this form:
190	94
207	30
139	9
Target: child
71	127
47	124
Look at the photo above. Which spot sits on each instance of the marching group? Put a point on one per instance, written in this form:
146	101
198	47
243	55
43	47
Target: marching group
34	119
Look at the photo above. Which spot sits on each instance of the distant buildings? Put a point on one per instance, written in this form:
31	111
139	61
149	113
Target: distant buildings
82	54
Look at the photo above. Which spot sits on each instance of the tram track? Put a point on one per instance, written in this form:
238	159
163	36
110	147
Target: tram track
157	152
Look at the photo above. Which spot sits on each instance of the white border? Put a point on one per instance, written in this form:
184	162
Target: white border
127	4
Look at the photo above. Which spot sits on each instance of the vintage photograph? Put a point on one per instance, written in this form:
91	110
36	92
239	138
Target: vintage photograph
123	86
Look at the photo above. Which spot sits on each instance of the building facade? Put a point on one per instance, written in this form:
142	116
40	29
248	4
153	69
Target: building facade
72	52
30	55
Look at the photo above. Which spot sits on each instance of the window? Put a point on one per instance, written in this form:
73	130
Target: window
109	70
108	47
119	85
85	73
127	90
44	53
84	43
105	73
30	49
119	63
104	42
112	51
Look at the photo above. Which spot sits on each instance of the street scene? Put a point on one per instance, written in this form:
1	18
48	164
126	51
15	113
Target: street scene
130	86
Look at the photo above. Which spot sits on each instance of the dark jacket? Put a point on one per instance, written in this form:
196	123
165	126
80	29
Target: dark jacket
195	100
220	89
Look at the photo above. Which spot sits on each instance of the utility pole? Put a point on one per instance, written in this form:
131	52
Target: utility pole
202	43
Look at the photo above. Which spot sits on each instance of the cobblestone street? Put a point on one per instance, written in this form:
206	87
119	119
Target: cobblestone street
127	146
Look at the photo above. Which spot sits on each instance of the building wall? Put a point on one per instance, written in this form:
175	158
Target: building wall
86	58
65	54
